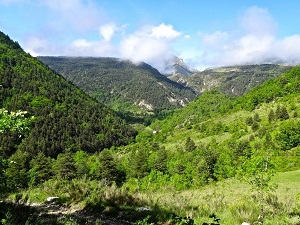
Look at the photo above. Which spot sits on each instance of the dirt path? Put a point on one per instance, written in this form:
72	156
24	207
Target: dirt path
52	213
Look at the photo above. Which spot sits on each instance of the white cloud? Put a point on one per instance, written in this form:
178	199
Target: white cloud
38	46
151	44
82	47
258	21
288	49
164	31
108	30
253	42
214	38
187	37
247	49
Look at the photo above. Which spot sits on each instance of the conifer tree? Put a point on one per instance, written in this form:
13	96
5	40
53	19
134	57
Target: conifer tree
108	169
190	145
271	116
41	169
64	166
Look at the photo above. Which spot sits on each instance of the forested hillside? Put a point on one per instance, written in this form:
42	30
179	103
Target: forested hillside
65	117
234	80
122	85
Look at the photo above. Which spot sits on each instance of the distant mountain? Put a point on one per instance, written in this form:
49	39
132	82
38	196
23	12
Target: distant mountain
176	66
66	118
122	85
234	80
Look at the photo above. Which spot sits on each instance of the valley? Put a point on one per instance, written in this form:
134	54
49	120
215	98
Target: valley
221	146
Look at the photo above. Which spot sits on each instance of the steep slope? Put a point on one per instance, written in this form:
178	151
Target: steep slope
235	80
66	118
121	84
216	137
214	104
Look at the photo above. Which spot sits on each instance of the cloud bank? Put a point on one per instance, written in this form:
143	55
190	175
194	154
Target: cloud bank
80	28
254	42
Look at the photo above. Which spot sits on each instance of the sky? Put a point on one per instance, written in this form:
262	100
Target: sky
203	33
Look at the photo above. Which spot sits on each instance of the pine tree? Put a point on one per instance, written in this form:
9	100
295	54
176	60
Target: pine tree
108	168
64	166
160	163
271	116
249	120
41	169
256	117
190	145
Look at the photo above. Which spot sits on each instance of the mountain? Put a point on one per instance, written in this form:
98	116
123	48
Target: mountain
217	135
234	80
122	85
65	117
213	105
176	66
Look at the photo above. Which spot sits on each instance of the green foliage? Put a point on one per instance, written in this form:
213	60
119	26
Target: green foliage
16	172
63	115
190	145
281	113
108	169
64	166
256	117
249	121
41	169
15	121
235	80
120	84
271	116
289	134
255	126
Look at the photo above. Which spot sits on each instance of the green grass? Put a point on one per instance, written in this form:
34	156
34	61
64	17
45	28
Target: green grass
232	201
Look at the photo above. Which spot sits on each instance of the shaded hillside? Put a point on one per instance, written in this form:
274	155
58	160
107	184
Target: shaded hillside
235	80
120	84
66	118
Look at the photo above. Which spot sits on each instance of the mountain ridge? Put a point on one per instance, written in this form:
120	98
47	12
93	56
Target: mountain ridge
117	82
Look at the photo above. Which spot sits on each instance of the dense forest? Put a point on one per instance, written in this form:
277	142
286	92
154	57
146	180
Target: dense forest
219	160
121	84
65	117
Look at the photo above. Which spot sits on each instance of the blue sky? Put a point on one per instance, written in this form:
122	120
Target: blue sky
203	33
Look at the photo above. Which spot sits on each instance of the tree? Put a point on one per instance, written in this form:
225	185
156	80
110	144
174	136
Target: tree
190	145
282	113
81	163
249	120
41	169
15	121
161	159
255	126
64	166
271	116
139	163
256	117
13	173
16	172
108	168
